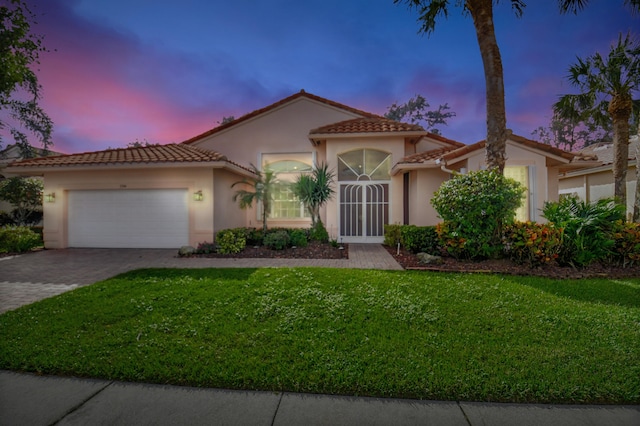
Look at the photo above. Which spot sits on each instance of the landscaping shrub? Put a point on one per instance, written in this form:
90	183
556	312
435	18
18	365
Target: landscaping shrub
206	248
420	239
474	206
277	240
413	238
231	241
392	235
253	236
532	244
626	236
588	228
298	238
18	239
319	233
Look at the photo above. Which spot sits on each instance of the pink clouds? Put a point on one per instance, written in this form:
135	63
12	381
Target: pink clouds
168	73
107	89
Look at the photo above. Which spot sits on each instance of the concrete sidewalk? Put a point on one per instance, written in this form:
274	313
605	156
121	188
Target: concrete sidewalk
27	399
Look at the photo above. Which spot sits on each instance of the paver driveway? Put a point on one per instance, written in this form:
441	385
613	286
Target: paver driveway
27	278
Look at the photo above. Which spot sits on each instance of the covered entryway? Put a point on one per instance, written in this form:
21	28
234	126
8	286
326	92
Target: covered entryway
149	218
363	175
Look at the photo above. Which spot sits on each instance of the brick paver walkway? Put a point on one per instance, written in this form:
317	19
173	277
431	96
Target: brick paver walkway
34	276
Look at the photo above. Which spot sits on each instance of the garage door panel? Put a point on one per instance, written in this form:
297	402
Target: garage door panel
128	218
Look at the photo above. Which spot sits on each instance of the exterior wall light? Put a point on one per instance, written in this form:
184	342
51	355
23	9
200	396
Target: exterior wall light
197	196
50	198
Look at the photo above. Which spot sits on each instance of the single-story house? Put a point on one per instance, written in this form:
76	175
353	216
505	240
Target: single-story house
595	183
178	194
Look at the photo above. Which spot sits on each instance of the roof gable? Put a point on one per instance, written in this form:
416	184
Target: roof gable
290	99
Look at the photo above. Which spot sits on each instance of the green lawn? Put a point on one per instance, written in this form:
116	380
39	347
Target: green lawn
379	333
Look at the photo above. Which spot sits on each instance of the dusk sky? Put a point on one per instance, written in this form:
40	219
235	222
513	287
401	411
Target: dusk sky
165	70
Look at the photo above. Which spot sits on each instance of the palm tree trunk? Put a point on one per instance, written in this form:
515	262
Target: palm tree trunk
620	109
636	203
482	14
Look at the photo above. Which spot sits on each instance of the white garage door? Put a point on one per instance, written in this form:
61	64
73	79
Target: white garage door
128	218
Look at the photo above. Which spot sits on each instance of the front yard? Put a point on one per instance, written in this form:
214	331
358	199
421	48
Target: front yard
355	332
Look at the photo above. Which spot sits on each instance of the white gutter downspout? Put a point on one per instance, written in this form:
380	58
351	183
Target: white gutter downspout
443	167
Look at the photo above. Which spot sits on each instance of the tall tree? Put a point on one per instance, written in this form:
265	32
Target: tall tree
416	111
608	84
19	87
481	12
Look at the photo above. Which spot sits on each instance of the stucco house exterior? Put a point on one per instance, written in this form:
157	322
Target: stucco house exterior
596	182
178	194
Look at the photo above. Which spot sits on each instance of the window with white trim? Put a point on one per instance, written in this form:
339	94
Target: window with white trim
520	174
287	167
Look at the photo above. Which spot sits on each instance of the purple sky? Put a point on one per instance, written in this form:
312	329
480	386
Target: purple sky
166	70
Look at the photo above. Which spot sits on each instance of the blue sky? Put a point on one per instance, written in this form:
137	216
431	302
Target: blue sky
164	71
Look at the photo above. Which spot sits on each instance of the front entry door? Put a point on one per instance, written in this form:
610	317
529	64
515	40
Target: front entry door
363	195
364	210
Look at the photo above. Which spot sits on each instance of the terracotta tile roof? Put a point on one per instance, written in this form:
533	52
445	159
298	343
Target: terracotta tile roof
451	153
300	94
367	125
171	153
425	156
515	138
604	150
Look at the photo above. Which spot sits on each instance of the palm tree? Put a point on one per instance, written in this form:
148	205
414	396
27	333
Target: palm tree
315	190
481	12
607	84
262	186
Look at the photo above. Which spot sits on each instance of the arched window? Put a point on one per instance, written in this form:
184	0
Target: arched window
363	165
287	167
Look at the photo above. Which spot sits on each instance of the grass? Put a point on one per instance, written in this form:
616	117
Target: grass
378	333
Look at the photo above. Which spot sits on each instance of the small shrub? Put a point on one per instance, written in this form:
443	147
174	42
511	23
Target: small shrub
626	238
420	239
298	238
230	241
18	239
474	207
254	236
206	248
277	240
532	244
392	235
413	238
319	233
451	241
588	228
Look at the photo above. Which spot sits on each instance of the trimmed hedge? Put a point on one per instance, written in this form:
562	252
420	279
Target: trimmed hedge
413	238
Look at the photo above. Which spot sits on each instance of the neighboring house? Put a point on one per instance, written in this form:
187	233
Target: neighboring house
595	183
172	195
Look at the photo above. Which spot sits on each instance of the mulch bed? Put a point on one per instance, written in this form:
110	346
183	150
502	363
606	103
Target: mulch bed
409	260
314	250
